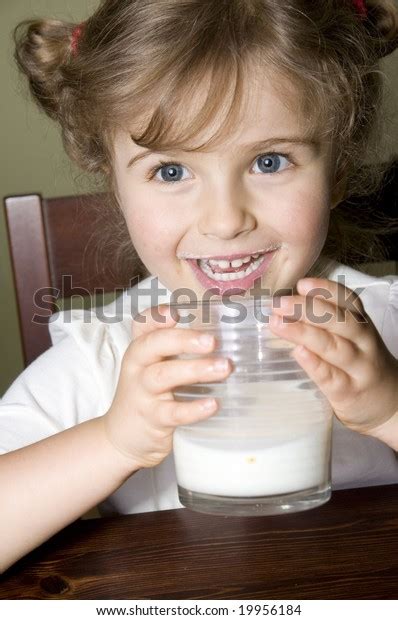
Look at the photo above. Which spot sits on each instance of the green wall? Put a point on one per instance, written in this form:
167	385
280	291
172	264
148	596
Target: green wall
32	158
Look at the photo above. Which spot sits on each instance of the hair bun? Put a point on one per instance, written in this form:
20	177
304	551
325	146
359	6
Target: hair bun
42	47
383	18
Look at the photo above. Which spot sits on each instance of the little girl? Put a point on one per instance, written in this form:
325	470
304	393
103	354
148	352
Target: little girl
228	131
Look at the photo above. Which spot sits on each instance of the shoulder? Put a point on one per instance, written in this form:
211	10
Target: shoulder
111	321
379	296
353	276
103	333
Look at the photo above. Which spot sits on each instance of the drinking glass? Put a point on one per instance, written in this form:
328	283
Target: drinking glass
267	450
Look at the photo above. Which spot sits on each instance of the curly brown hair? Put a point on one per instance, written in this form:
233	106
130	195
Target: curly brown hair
144	59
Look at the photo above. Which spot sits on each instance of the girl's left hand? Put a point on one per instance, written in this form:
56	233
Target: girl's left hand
341	351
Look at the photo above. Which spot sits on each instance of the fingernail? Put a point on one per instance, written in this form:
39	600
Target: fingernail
205	340
304	284
220	365
208	405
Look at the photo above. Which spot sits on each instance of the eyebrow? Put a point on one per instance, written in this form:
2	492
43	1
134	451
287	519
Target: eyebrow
256	146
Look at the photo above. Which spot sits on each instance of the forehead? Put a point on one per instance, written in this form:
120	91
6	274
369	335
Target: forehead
271	109
271	105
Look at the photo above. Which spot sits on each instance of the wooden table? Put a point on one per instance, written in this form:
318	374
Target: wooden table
346	549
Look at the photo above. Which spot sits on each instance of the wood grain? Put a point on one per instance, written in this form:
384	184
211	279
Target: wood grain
29	261
55	250
346	549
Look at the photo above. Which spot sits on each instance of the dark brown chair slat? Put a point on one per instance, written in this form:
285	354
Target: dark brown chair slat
54	245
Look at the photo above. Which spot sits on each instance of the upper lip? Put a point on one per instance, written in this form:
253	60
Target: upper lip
229	257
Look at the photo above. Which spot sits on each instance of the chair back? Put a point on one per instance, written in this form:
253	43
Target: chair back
54	245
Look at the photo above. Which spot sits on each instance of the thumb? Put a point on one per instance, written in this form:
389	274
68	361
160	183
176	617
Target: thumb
155	317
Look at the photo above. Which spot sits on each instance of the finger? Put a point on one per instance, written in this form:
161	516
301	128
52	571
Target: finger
326	315
166	375
334	292
160	343
155	317
333	382
170	413
336	350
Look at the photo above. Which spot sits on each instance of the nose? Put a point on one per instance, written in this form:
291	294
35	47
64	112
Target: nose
225	216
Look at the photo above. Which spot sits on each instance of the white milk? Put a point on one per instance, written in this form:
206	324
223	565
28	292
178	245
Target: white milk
279	444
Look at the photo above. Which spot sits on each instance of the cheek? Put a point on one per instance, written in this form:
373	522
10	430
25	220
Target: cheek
304	218
152	233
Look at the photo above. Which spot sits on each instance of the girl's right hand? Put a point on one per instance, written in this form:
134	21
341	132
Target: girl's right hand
143	415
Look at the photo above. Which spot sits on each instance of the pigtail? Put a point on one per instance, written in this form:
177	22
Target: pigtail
382	22
49	53
42	52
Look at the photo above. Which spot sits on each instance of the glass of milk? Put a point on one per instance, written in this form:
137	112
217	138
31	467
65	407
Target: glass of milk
267	450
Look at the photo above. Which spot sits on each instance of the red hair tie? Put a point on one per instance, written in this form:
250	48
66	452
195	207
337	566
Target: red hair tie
76	34
360	7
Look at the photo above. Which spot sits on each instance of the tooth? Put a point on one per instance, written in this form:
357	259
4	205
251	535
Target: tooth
230	276
237	263
226	264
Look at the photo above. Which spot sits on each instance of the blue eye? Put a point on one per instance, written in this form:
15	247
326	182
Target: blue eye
172	172
272	163
169	171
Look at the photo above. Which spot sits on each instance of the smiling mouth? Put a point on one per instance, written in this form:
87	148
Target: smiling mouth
239	273
231	269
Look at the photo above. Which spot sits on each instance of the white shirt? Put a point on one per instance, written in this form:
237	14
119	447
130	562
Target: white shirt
75	380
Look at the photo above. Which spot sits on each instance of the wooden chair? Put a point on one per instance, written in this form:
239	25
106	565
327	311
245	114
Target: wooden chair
50	238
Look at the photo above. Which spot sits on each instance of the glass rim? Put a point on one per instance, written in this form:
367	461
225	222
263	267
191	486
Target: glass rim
248	302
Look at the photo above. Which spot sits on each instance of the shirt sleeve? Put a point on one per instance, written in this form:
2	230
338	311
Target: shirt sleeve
390	323
359	460
60	389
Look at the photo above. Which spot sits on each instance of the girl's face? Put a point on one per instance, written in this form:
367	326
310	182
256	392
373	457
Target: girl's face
241	199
